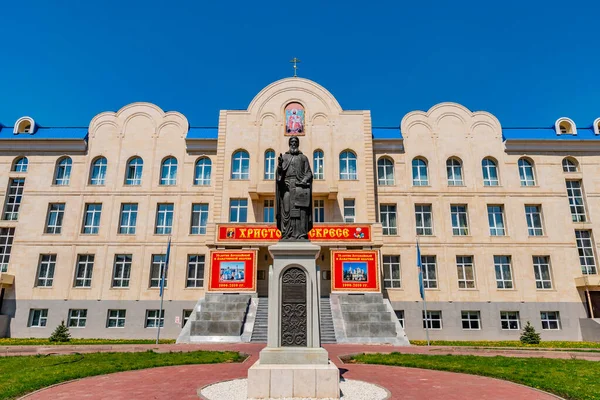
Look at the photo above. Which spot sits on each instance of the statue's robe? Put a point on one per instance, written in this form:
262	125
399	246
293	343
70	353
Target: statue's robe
294	200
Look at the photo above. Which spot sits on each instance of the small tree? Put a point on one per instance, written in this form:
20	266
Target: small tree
61	333
529	335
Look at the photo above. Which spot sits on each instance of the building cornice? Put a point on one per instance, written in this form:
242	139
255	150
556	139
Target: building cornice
529	146
43	145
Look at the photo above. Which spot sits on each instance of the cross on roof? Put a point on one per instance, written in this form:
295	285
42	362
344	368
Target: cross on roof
295	61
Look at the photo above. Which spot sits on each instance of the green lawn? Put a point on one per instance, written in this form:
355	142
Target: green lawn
510	343
46	342
571	379
20	375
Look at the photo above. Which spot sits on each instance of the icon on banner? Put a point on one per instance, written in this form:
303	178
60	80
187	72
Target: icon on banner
230	233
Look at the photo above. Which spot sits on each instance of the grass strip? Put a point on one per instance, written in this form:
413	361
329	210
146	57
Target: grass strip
571	379
24	374
511	343
46	342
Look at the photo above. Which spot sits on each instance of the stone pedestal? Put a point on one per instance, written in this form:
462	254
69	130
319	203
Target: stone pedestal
284	369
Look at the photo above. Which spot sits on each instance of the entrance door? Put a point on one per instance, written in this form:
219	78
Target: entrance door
595	297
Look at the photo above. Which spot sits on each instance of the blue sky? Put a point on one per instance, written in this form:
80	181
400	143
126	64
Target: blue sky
527	62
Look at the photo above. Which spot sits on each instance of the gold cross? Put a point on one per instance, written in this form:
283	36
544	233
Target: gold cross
295	61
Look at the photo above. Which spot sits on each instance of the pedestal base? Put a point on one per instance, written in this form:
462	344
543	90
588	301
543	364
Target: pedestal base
294	355
319	381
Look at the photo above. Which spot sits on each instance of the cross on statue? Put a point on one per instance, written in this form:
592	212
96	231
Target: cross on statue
295	61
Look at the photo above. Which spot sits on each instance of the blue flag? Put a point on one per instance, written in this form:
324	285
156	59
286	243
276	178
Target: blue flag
165	268
420	268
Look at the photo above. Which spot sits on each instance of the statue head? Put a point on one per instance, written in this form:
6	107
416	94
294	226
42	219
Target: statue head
294	143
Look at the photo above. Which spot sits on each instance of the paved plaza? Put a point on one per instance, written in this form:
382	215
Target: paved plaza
183	382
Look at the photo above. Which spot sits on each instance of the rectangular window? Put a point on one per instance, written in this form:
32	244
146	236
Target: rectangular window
46	267
387	216
550	320
318	165
466	272
575	195
541	270
433	320
460	225
496	220
13	199
121	270
195	274
83	272
400	316
533	214
349	211
471	320
77	318
509	320
424	219
269	211
186	315
38	317
391	272
6	239
319	210
428	269
91	219
503	272
153	319
199	219
54	220
128	218
164	219
587	258
156	270
115	319
238	210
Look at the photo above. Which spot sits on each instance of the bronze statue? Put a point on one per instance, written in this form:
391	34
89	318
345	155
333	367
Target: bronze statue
293	191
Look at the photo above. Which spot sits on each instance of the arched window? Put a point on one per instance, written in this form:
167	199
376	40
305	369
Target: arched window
454	171
419	172
24	125
348	165
133	175
168	171
240	165
98	172
490	172
269	164
318	164
569	165
565	126
385	171
20	164
526	172
202	172
62	175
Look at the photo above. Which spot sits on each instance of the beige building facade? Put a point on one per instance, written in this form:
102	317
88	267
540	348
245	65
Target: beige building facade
505	219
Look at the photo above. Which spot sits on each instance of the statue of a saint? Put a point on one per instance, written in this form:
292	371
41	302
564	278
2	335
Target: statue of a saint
293	192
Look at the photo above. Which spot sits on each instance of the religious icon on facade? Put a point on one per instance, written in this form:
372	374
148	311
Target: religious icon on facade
294	119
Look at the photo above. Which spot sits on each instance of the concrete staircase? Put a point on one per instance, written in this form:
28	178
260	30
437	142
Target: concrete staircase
220	315
366	318
327	329
259	333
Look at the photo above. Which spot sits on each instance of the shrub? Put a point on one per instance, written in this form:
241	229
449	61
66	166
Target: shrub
61	333
529	335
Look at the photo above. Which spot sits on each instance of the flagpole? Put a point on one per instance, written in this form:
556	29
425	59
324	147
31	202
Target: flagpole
164	265
422	291
425	310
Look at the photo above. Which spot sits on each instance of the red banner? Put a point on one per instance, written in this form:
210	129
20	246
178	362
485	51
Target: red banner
319	233
355	271
232	270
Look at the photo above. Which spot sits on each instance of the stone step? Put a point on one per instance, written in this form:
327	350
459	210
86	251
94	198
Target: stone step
220	315
361	298
371	329
214	306
226	298
367	316
216	328
369	307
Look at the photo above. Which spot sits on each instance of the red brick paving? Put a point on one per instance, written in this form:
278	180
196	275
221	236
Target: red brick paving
182	382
